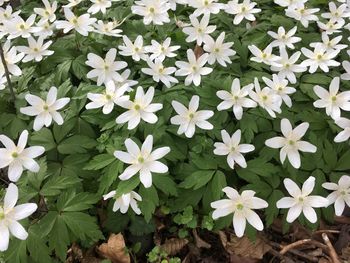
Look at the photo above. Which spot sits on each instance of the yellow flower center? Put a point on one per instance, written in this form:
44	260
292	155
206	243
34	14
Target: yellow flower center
291	142
36	49
106	67
239	206
264	97
287	65
216	50
264	55
160	70
162	49
141	159
151	10
136	49
334	98
74	21
14	155
319	56
47	13
2	216
343	192
108	97
301	199
243	9
137	107
200	30
22	27
191	115
194	68
206	3
45	107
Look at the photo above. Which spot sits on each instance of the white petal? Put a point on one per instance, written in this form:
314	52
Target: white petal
158	167
239	223
24	210
254	220
292	188
310	214
18	230
11	196
294	212
5	237
146	178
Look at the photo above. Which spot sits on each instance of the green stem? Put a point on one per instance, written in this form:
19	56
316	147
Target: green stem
7	74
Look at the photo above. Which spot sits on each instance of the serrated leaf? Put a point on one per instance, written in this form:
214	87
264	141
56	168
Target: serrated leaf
165	184
100	161
149	201
197	179
73	202
76	144
57	183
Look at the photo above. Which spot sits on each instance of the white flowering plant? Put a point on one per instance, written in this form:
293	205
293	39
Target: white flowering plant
116	113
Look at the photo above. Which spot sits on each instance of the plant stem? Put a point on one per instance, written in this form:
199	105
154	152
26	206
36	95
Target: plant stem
7	74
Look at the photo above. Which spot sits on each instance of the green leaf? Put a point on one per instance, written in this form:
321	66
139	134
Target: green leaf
37	247
62	72
100	161
79	67
59	238
82	225
73	202
217	184
165	184
43	138
76	144
57	183
149	201
127	186
197	179
343	162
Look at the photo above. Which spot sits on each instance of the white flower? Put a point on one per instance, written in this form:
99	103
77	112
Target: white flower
45	29
233	149
340	195
105	70
189	118
136	50
123	202
17	27
242	206
245	10
205	7
11	214
345	134
3	81
36	49
346	66
17	157
290	143
302	14
108	28
160	73
153	11
198	30
47	13
335	13
280	86
264	56
107	99
320	57
143	161
6	14
11	58
99	5
290	3
82	24
266	98
331	26
194	68
161	50
301	200
173	3
45	111
125	75
286	67
329	44
237	98
283	38
332	100
73	3
218	50
141	108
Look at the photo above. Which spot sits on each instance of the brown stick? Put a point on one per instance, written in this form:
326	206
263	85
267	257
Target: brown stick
295	252
331	250
326	231
7	74
286	248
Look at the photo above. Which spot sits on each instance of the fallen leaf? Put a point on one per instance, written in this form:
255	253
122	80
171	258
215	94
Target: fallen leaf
114	249
200	242
198	51
173	246
243	247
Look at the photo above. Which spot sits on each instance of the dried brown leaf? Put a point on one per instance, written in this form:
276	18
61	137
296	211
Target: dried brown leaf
246	248
173	246
114	249
198	51
200	243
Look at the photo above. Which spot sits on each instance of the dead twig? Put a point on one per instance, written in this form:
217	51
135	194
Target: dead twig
7	74
295	252
302	242
326	231
331	250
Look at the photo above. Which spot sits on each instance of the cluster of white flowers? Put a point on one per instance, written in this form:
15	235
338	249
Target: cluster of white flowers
113	74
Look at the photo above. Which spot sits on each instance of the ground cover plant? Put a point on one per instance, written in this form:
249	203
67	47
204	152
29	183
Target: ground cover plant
129	129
